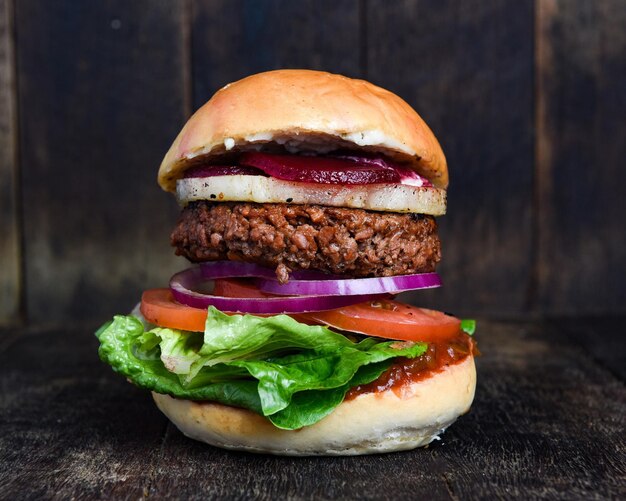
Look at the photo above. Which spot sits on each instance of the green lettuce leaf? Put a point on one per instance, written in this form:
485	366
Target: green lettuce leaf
292	373
468	326
120	347
279	379
239	337
308	407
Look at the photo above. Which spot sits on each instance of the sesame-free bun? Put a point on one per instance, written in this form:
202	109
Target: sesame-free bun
304	111
370	423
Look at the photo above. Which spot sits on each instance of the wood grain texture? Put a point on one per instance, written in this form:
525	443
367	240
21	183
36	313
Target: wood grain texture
610	352
234	39
105	86
10	262
467	68
69	429
547	422
581	139
101	87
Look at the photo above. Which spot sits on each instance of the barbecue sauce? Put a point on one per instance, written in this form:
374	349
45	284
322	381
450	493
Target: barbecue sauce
405	371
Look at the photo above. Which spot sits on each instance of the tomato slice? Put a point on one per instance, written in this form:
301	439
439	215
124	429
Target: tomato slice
383	318
237	287
158	307
389	319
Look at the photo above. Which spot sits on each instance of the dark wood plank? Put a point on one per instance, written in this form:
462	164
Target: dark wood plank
581	145
601	338
70	428
219	474
101	93
234	39
547	422
467	68
10	269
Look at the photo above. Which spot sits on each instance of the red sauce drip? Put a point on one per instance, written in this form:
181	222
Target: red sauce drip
405	371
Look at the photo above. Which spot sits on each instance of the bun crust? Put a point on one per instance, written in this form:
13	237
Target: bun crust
305	110
369	423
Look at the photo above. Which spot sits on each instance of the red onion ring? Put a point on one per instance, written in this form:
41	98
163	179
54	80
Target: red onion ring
350	287
316	283
240	269
182	283
234	269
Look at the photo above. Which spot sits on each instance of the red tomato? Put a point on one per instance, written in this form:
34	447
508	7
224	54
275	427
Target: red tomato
389	319
237	287
158	307
383	318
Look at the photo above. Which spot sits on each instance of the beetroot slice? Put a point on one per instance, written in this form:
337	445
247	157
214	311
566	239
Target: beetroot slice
325	170
341	169
222	170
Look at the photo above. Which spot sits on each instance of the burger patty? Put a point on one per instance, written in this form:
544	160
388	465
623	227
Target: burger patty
336	240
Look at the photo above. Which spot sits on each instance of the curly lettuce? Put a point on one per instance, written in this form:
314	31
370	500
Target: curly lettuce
292	373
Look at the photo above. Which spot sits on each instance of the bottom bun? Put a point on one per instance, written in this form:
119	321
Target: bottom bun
410	417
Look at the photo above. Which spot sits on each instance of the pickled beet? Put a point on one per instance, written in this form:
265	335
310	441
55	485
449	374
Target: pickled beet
325	170
222	170
340	169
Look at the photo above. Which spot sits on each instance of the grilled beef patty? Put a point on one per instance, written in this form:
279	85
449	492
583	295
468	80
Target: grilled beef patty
341	241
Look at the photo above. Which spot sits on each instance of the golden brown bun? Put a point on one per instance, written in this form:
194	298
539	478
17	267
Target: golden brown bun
305	110
369	423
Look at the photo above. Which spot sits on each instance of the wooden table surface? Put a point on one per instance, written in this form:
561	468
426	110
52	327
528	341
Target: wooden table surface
548	422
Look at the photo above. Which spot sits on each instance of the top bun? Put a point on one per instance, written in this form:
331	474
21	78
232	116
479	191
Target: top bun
300	111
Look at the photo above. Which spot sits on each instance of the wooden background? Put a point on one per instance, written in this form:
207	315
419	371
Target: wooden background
528	99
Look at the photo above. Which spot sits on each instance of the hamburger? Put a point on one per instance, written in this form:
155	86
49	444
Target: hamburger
308	202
